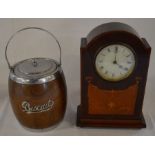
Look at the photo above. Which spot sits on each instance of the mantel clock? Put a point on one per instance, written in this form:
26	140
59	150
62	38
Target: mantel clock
114	66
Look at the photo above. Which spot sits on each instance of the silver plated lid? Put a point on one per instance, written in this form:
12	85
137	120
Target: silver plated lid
35	71
35	68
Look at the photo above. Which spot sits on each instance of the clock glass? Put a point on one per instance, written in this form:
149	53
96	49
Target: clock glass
115	62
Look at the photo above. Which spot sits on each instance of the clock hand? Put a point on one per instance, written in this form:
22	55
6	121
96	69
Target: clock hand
115	61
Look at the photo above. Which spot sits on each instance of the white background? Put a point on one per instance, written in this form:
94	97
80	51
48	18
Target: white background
68	32
79	9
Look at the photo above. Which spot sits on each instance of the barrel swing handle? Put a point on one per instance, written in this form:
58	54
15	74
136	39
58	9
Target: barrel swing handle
28	28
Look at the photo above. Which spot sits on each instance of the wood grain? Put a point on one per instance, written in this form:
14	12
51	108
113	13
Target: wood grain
114	102
39	94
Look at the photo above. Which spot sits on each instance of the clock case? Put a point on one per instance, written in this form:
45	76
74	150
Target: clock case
98	38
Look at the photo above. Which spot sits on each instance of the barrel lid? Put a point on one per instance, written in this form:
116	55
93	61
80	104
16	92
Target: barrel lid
34	69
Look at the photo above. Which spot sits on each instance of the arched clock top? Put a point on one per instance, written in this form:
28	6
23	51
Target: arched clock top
114	32
110	27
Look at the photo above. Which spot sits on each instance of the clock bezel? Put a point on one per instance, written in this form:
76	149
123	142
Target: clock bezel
125	77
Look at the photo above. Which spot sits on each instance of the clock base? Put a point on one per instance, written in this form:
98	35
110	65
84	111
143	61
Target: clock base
84	121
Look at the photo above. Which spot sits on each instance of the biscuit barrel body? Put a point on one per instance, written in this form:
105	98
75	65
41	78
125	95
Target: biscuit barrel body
39	105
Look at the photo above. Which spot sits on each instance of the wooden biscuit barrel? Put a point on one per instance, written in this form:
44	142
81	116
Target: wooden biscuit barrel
37	90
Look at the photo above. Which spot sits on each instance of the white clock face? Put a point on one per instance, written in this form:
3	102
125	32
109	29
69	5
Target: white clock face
115	62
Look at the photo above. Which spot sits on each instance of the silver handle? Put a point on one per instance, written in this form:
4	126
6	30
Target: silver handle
27	28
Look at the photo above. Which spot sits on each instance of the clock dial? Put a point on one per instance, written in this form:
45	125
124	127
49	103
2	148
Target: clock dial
115	62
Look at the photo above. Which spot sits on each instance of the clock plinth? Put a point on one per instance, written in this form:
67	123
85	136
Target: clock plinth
85	121
114	66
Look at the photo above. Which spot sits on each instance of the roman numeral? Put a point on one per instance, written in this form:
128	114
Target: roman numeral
101	67
106	72
103	54
120	66
129	62
116	49
126	69
128	55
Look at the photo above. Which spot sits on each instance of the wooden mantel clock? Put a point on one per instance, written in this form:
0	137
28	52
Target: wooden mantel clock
114	66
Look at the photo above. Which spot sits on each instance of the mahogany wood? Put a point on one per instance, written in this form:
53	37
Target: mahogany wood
122	105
